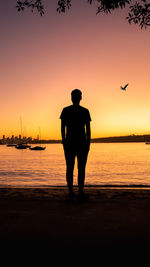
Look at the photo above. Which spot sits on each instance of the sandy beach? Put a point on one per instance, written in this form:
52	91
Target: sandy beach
110	217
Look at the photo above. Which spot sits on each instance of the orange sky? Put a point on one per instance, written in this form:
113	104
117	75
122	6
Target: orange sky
44	58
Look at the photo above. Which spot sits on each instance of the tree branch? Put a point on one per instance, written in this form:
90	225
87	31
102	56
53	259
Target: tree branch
32	4
139	11
140	14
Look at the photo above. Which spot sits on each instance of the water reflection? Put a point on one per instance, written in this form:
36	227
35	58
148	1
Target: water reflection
115	164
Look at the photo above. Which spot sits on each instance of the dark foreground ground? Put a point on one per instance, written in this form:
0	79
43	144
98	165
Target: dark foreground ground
110	217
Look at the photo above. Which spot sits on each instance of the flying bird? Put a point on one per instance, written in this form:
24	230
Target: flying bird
124	88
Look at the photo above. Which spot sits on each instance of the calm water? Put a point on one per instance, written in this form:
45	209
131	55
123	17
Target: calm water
113	164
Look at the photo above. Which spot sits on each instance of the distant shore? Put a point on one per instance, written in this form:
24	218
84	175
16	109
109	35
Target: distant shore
111	217
114	139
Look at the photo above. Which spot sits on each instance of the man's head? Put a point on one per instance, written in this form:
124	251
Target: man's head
76	96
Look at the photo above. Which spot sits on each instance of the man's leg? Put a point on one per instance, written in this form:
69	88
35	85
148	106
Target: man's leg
70	160
82	159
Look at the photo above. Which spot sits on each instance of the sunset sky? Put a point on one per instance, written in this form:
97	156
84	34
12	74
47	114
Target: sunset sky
43	58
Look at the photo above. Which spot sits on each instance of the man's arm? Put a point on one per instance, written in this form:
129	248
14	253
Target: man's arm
88	132
63	133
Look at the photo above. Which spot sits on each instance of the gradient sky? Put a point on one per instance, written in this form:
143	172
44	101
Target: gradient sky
43	58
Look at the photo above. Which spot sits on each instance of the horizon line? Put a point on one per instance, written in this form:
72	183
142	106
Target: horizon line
93	138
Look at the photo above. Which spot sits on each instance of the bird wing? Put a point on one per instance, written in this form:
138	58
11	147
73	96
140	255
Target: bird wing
126	85
124	88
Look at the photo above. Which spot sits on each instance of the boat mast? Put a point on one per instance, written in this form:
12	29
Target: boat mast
40	134
21	125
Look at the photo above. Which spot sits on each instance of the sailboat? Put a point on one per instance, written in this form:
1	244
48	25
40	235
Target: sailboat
22	146
10	145
38	147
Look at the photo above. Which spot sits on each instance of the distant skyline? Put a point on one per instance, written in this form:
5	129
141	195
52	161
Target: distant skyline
29	139
44	58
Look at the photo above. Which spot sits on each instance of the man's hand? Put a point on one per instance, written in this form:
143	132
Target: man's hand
88	144
63	141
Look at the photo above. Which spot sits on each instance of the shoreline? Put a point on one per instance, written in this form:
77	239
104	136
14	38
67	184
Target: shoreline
75	187
110	217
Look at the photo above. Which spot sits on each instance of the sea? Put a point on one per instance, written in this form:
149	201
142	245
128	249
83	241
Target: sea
109	164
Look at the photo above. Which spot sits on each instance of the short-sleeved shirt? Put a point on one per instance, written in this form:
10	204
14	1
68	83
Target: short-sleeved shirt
75	119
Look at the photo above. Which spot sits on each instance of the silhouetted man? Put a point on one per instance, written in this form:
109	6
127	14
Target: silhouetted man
76	133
